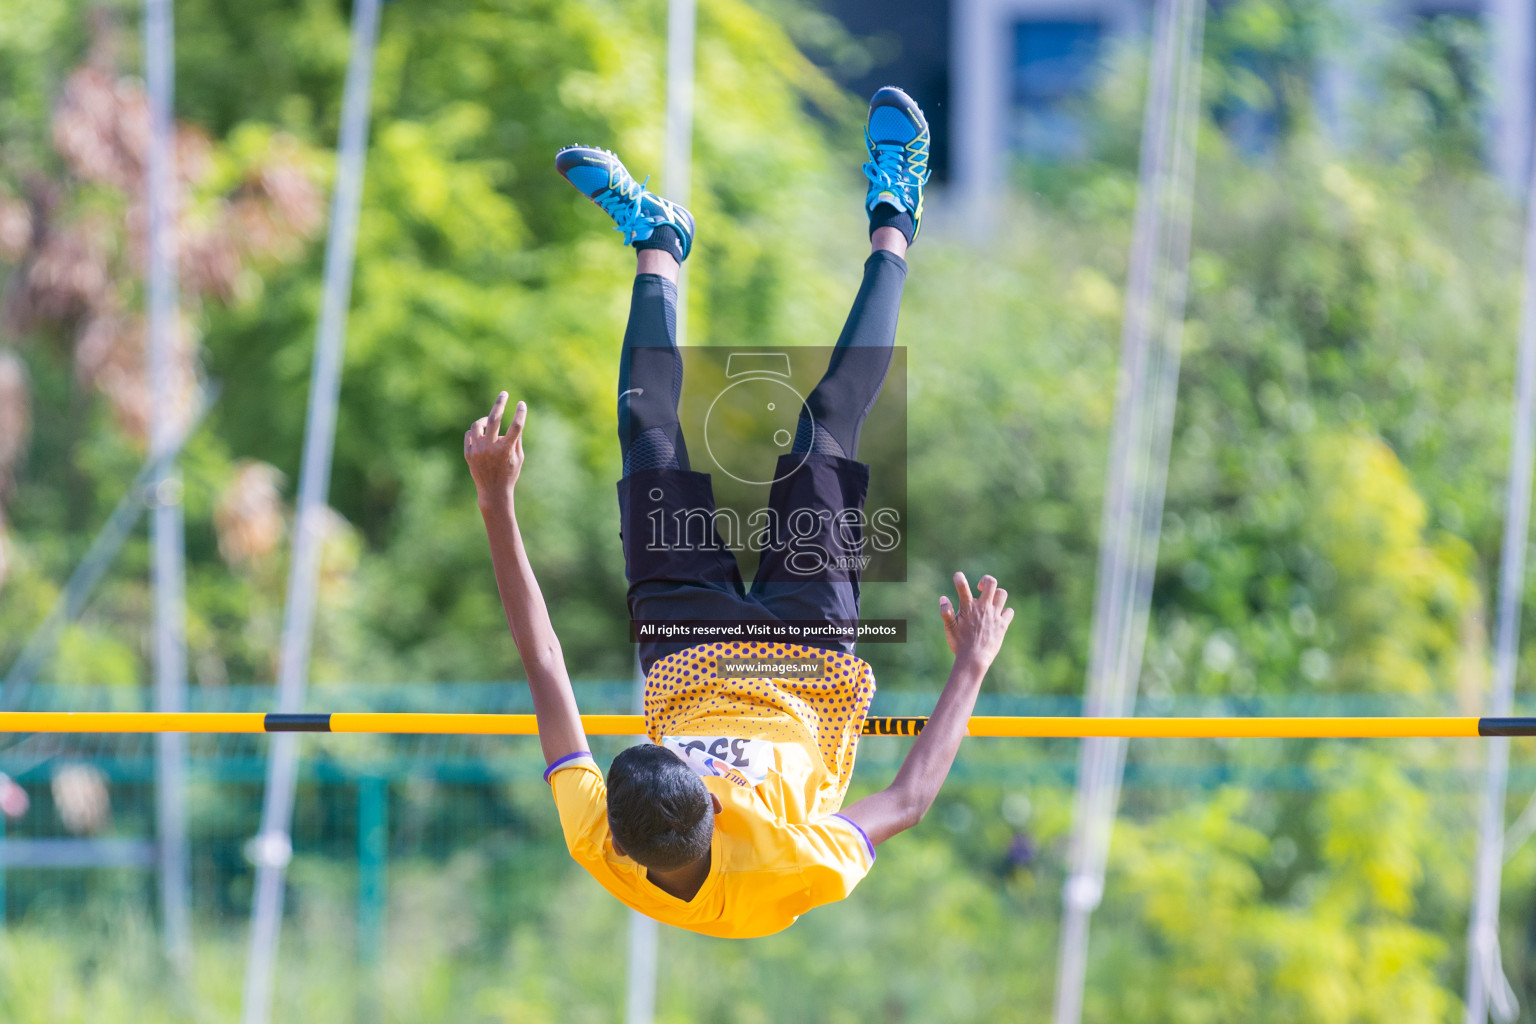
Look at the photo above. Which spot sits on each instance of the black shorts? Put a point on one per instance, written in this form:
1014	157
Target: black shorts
680	569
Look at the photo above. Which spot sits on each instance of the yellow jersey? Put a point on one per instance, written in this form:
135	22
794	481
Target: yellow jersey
777	750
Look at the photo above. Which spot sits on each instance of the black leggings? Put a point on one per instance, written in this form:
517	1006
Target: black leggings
651	371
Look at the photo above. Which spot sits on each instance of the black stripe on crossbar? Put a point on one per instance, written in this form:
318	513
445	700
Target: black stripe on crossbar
275	722
887	726
1506	726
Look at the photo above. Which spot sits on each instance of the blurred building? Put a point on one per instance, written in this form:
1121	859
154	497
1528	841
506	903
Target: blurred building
1003	78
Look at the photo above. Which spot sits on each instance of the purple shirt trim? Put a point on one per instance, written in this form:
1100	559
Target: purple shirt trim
571	757
864	835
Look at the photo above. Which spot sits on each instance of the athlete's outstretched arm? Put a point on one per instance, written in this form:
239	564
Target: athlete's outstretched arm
975	632
495	463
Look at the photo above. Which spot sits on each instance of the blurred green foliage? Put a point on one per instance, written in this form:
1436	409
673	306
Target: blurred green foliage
1332	525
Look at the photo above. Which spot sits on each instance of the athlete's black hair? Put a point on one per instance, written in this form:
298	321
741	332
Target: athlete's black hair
658	809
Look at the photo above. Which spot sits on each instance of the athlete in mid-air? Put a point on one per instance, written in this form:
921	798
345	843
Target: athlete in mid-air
730	822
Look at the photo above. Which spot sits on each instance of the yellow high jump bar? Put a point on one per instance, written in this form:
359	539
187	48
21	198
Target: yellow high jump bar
415	723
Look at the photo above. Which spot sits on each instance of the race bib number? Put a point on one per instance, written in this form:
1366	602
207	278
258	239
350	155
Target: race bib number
744	762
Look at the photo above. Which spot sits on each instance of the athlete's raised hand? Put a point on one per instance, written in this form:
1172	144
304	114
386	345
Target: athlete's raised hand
977	626
496	460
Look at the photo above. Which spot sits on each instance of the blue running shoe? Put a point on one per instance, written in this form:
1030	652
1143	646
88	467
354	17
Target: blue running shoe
636	212
897	138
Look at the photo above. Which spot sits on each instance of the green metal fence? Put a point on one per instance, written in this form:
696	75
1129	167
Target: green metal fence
365	801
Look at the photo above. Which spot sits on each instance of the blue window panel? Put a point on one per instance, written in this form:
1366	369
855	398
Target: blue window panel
1054	59
1055	64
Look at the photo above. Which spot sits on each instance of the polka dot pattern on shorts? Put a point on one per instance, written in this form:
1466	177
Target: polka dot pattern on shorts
827	712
